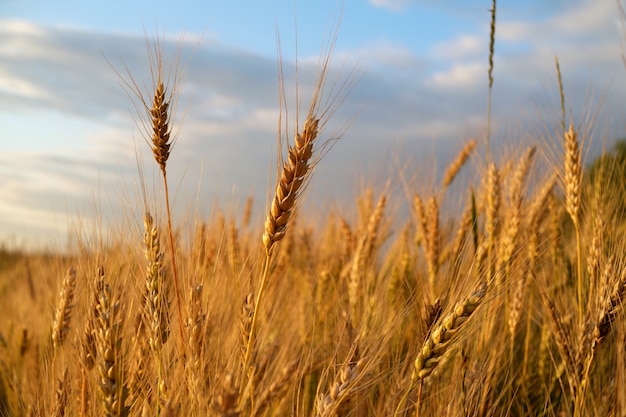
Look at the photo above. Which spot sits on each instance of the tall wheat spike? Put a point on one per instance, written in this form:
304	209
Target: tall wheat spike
295	172
157	113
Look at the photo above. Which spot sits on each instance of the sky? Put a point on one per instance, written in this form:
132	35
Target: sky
71	136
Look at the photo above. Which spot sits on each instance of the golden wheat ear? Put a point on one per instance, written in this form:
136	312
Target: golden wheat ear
156	110
61	325
294	172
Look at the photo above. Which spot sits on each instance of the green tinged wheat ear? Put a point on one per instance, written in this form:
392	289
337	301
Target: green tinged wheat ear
61	324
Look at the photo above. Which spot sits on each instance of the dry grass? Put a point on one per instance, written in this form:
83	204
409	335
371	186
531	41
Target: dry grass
487	313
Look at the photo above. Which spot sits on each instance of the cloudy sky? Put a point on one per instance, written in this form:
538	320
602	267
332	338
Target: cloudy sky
70	136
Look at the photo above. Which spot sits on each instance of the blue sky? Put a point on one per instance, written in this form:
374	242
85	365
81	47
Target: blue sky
69	139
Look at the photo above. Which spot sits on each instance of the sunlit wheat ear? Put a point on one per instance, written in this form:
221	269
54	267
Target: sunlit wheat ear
432	244
458	163
156	295
156	113
492	214
160	126
420	219
572	175
89	351
440	338
61	325
294	173
245	323
109	342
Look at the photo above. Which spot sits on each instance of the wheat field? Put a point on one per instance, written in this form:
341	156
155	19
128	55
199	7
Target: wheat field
513	306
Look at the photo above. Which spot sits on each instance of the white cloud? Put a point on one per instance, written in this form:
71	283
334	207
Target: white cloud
394	5
460	47
384	53
460	75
